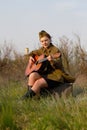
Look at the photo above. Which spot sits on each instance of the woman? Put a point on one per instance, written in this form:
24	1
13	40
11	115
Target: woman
51	72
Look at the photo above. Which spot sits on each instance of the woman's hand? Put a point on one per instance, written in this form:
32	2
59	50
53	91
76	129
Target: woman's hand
50	58
31	60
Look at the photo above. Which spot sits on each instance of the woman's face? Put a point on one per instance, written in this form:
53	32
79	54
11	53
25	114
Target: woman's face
45	41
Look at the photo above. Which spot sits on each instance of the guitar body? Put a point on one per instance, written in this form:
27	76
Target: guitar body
34	66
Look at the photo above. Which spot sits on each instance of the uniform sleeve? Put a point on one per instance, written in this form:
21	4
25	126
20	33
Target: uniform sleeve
57	62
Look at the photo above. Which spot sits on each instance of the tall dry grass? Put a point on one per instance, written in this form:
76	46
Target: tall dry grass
13	64
74	56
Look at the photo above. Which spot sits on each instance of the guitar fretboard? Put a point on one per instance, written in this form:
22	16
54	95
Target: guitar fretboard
40	61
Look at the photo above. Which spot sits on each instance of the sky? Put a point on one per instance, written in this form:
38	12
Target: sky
22	20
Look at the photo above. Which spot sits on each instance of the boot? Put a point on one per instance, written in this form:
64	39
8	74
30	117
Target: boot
29	94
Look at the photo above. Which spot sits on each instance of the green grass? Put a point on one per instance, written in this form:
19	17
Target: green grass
40	113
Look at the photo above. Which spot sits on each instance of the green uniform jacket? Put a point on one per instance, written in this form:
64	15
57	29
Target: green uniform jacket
54	69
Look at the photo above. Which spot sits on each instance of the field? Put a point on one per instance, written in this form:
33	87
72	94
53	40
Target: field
41	113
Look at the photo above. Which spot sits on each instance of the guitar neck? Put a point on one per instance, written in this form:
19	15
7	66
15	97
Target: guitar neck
44	59
40	61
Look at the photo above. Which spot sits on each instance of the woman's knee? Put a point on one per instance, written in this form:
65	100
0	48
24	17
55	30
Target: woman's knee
41	83
34	75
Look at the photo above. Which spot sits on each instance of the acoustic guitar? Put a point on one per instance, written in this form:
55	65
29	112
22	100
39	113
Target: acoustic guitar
37	64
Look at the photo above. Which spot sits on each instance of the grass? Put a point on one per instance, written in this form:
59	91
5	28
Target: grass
40	114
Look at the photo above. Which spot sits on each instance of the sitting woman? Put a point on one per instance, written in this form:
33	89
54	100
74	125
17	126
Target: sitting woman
51	72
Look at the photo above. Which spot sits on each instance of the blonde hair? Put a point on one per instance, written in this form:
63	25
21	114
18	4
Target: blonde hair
44	33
